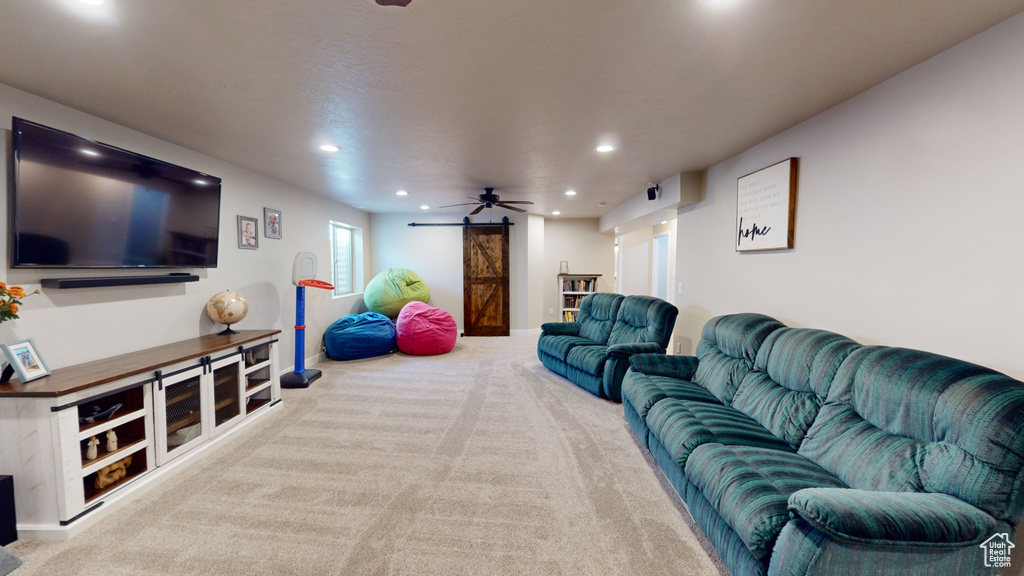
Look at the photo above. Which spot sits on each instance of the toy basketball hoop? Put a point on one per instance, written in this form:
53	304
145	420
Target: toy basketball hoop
314	283
303	274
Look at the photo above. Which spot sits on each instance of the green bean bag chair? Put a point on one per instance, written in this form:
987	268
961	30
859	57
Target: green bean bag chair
394	288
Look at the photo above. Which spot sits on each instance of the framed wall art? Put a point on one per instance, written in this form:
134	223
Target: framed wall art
248	233
272	223
766	208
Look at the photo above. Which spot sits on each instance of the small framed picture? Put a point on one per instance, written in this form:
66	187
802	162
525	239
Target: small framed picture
25	359
248	233
272	223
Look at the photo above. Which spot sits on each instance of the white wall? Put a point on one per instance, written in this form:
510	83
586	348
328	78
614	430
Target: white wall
578	242
435	253
908	215
537	270
80	325
635	262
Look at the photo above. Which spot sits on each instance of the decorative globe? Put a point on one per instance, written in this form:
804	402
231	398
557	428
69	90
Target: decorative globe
226	308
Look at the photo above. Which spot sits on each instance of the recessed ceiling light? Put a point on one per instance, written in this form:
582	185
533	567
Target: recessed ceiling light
329	148
89	152
402	193
602	204
570	192
91	2
664	221
605	148
424	207
555	213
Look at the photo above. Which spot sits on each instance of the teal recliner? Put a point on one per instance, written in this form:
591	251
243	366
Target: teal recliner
800	452
594	351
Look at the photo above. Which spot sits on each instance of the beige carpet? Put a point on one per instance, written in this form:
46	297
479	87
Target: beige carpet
476	462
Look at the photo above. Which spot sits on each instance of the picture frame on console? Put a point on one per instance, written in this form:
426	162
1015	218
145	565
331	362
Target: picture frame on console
248	233
272	223
25	360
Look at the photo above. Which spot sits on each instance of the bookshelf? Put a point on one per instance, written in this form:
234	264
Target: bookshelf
572	288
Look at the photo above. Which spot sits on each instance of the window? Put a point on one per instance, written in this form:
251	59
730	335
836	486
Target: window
346	259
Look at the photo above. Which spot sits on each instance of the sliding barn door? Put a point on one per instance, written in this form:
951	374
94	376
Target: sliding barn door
485	280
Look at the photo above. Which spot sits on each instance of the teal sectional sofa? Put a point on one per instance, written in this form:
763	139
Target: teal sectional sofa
800	452
594	351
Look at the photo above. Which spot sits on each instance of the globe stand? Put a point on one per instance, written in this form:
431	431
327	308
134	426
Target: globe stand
227	331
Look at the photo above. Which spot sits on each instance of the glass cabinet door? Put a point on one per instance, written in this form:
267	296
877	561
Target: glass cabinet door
227	391
179	414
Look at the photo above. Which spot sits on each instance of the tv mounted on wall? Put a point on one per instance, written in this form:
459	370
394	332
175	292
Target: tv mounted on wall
77	203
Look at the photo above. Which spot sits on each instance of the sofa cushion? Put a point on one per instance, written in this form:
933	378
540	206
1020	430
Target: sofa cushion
792	373
644	319
559	346
727	349
861	454
750	488
597	315
588	358
899	419
681	426
645	391
892	518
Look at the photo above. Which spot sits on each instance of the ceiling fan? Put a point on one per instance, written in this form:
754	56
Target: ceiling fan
488	200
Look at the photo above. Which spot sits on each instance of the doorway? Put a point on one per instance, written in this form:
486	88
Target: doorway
660	278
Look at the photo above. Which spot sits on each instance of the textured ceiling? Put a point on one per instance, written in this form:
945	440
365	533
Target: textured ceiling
444	97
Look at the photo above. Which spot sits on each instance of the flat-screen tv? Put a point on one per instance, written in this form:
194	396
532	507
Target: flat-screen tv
77	203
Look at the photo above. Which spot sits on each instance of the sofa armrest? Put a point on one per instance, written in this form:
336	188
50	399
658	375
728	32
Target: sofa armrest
560	328
911	519
681	367
626	350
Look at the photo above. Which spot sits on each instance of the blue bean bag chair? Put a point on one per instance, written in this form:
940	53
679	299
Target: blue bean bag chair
360	336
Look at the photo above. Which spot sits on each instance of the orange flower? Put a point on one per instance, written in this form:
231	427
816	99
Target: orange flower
13	307
3	286
17	291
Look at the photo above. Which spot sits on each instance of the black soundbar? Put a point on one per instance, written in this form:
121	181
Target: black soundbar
101	281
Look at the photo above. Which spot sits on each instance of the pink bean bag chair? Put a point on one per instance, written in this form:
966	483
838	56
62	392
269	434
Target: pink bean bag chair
424	330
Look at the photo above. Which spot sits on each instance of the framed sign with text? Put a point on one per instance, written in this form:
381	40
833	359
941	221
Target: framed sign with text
766	208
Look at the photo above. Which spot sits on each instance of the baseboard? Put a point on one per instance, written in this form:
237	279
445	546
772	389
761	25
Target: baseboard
310	362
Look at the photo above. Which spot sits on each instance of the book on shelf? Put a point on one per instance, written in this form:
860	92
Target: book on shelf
579	285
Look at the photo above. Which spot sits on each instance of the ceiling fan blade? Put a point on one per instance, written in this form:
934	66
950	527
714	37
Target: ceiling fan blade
502	204
463	204
516	202
478	209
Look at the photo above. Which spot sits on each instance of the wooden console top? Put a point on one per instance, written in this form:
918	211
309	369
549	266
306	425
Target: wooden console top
83	376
